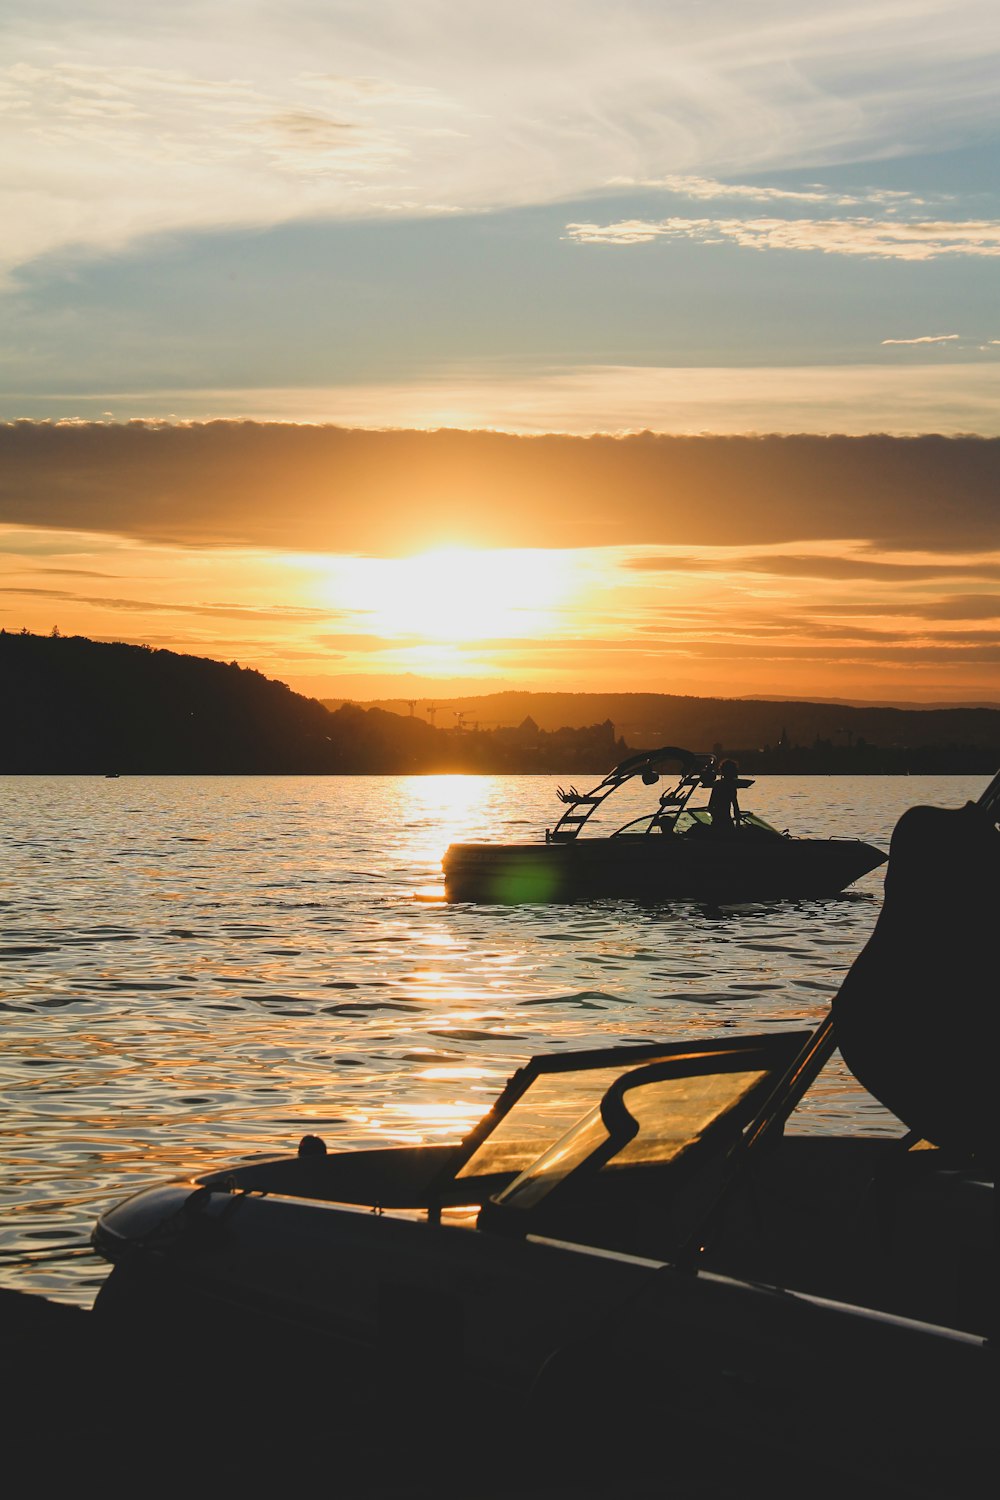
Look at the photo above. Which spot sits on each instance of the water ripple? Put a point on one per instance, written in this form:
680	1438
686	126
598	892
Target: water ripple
172	947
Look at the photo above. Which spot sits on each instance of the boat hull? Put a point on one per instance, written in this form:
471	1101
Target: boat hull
650	867
498	1335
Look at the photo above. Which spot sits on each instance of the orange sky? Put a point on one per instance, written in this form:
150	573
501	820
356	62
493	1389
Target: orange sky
302	317
362	564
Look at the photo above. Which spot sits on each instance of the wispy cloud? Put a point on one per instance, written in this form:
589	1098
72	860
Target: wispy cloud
846	567
927	338
958	607
362	642
249	612
178	147
115	128
940	396
776	632
63	572
896	662
879	238
711	189
893	652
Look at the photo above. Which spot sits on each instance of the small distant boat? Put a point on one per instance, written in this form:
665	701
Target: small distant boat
671	852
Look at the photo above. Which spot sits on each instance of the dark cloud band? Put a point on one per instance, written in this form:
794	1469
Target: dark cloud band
333	489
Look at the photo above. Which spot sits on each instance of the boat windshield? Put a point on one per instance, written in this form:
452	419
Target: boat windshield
552	1094
545	1111
654	1120
751	820
692	817
700	818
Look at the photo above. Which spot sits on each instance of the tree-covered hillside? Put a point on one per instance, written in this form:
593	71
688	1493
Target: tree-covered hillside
74	705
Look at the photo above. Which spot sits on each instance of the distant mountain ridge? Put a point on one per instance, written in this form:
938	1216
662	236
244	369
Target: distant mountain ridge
72	705
905	703
736	724
76	706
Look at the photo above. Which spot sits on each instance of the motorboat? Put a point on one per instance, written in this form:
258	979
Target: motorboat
670	852
641	1251
650	1258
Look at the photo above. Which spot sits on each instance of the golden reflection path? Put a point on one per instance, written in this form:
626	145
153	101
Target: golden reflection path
294	983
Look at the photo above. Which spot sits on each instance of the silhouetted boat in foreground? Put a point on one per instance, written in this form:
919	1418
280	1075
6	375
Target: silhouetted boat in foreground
629	1257
669	853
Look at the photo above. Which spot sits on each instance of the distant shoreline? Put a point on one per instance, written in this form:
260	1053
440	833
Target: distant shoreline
990	770
75	707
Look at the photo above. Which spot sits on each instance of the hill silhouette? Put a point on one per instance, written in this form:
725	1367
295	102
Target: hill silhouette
72	705
753	728
79	705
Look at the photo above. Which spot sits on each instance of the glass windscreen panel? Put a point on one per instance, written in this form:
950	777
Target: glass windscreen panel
671	1115
692	817
554	1165
550	1105
751	820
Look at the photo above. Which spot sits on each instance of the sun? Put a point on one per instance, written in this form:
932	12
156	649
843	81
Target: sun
453	594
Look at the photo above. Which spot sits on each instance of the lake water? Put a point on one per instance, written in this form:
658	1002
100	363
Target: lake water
201	968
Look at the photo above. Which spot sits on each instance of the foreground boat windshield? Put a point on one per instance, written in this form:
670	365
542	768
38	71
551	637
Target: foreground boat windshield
623	1106
650	1117
666	1116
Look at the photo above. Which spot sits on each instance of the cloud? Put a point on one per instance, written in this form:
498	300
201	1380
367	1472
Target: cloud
958	607
707	658
115	128
812	565
944	397
158	148
66	572
288	614
879	238
357	641
330	489
927	338
312	132
961	607
711	189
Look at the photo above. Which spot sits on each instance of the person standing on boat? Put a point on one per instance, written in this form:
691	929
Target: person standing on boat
723	806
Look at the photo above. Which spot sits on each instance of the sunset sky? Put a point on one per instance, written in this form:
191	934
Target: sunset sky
396	346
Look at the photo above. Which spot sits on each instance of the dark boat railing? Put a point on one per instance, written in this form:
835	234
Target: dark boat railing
696	770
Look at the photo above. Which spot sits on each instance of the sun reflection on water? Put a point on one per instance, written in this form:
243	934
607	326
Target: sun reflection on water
446	802
443	810
446	1120
446	1074
296	986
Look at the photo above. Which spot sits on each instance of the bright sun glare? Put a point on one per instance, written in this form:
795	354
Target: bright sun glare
452	594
